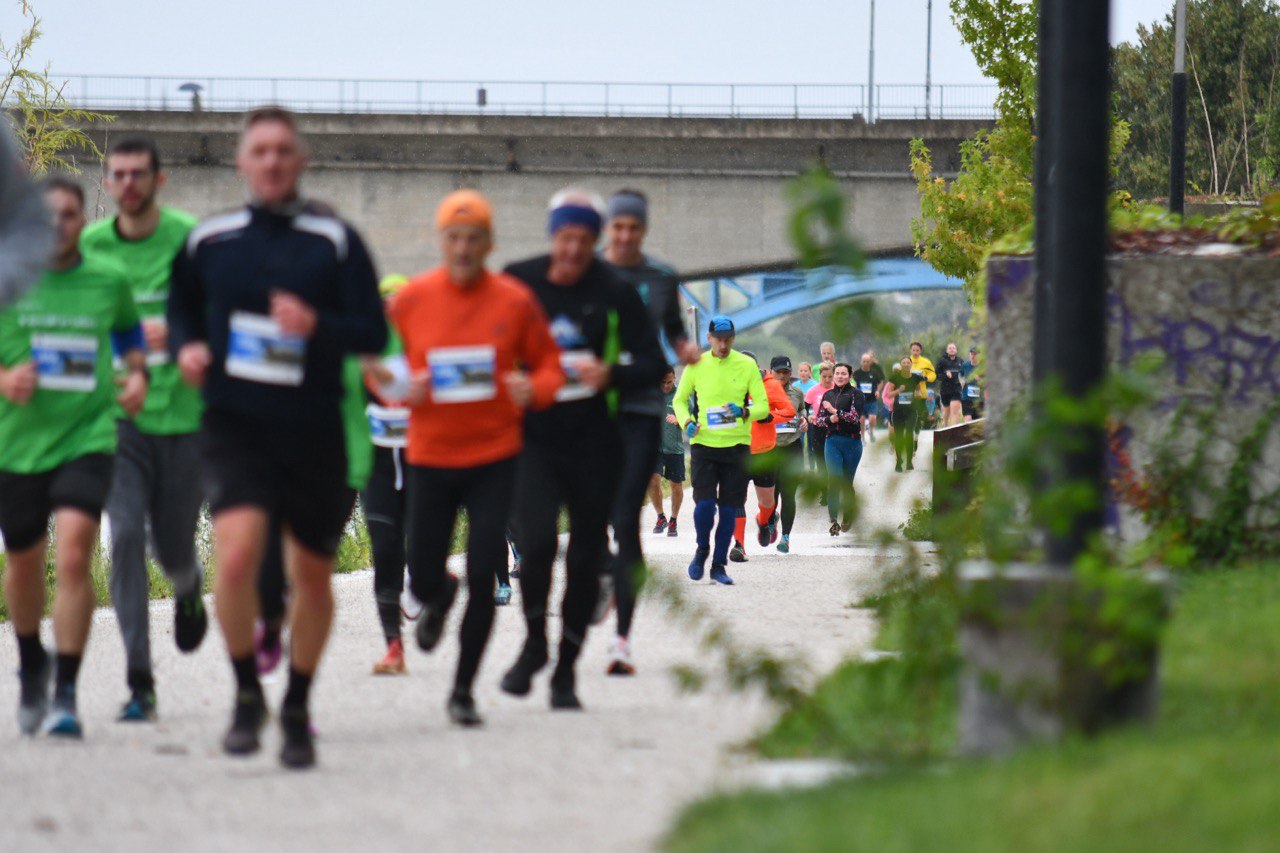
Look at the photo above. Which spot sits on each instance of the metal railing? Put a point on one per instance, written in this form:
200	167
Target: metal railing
456	97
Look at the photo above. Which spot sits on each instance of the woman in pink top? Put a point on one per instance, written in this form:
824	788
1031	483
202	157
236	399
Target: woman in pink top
817	430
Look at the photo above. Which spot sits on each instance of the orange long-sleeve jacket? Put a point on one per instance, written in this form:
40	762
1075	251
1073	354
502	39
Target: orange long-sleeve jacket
764	436
468	339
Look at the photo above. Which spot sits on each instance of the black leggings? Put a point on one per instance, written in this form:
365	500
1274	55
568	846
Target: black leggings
818	439
580	478
790	472
385	504
904	432
435	496
641	437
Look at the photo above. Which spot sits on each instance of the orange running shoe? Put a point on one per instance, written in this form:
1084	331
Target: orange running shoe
393	663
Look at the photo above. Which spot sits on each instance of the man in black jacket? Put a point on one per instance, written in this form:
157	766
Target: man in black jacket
570	458
265	304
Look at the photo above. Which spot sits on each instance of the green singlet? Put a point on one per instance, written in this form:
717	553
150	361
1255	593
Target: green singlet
64	324
173	407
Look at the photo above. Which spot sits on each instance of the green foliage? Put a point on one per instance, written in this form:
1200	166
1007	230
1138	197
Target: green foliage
1002	35
919	524
1233	115
49	126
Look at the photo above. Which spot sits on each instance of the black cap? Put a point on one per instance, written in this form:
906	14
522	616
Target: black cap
780	362
973	349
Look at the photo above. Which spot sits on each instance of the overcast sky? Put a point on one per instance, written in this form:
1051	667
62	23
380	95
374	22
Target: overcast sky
723	41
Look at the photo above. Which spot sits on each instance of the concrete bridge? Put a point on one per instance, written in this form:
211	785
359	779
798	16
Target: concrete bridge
716	185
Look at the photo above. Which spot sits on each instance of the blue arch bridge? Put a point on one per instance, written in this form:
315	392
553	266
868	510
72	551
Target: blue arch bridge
755	295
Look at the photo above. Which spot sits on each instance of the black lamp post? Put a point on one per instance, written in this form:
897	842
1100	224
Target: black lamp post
1178	140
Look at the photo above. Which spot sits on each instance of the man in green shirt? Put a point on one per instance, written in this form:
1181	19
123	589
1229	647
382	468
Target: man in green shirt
57	438
157	473
719	430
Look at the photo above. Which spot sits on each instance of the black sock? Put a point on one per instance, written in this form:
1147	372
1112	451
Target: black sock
299	689
67	672
31	654
140	680
246	670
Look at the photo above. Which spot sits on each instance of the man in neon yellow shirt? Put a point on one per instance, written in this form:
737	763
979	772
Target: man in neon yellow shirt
723	383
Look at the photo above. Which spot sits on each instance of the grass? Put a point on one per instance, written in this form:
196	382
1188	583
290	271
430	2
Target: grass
1202	778
354	554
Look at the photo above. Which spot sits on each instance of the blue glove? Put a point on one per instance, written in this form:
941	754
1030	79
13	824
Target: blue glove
737	411
691	429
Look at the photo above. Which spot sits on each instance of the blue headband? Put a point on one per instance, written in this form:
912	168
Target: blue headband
572	214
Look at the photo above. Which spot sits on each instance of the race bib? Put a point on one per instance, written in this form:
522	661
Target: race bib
571	361
719	417
905	398
389	425
258	351
788	427
972	391
462	374
65	362
865	387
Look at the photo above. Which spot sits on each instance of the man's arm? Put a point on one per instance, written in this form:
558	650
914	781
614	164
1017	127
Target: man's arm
541	356
683	390
359	326
756	391
638	337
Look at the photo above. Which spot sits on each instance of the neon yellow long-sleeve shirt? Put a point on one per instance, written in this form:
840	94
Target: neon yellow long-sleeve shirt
713	383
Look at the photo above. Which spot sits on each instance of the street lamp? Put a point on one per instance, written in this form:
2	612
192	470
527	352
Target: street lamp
871	68
1178	141
928	57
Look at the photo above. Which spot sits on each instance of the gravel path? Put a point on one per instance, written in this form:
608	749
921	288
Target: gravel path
393	772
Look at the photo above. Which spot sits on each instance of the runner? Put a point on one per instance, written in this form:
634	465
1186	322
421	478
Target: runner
868	383
570	456
923	368
818	437
827	352
806	381
670	462
480	353
903	385
57	438
790	452
762	468
640	411
951	378
974	397
266	302
881	408
156	483
26	241
840	409
720	436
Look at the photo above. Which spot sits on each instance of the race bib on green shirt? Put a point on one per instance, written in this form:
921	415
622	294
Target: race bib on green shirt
65	362
258	351
905	398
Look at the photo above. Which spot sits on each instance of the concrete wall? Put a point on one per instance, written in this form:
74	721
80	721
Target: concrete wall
716	186
1215	322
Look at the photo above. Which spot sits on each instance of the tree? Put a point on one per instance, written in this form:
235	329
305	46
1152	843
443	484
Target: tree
49	126
1233	126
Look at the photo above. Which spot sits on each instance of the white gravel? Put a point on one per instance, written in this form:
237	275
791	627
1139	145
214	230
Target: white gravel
394	773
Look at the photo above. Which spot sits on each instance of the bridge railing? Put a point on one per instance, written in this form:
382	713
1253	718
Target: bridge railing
459	97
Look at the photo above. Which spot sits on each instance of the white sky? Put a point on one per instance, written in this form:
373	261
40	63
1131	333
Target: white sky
717	41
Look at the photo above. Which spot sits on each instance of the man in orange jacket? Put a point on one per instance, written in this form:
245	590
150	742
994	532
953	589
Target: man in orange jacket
763	467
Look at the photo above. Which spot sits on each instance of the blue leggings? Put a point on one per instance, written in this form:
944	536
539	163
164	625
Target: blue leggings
843	454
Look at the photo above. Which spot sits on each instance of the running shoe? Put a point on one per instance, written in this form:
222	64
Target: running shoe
671	528
247	720
763	534
519	679
845	525
431	622
737	553
604	600
620	658
266	649
462	710
410	606
898	467
834	530
719	575
299	749
785	545
698	567
773	527
141	708
911	465
661	525
393	662
62	721
190	622
503	596
33	704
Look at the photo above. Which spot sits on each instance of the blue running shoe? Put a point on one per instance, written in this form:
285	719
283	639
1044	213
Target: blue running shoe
62	720
785	545
141	708
719	575
503	596
699	565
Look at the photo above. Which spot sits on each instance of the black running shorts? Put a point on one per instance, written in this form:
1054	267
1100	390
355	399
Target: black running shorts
296	472
671	467
26	500
720	474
